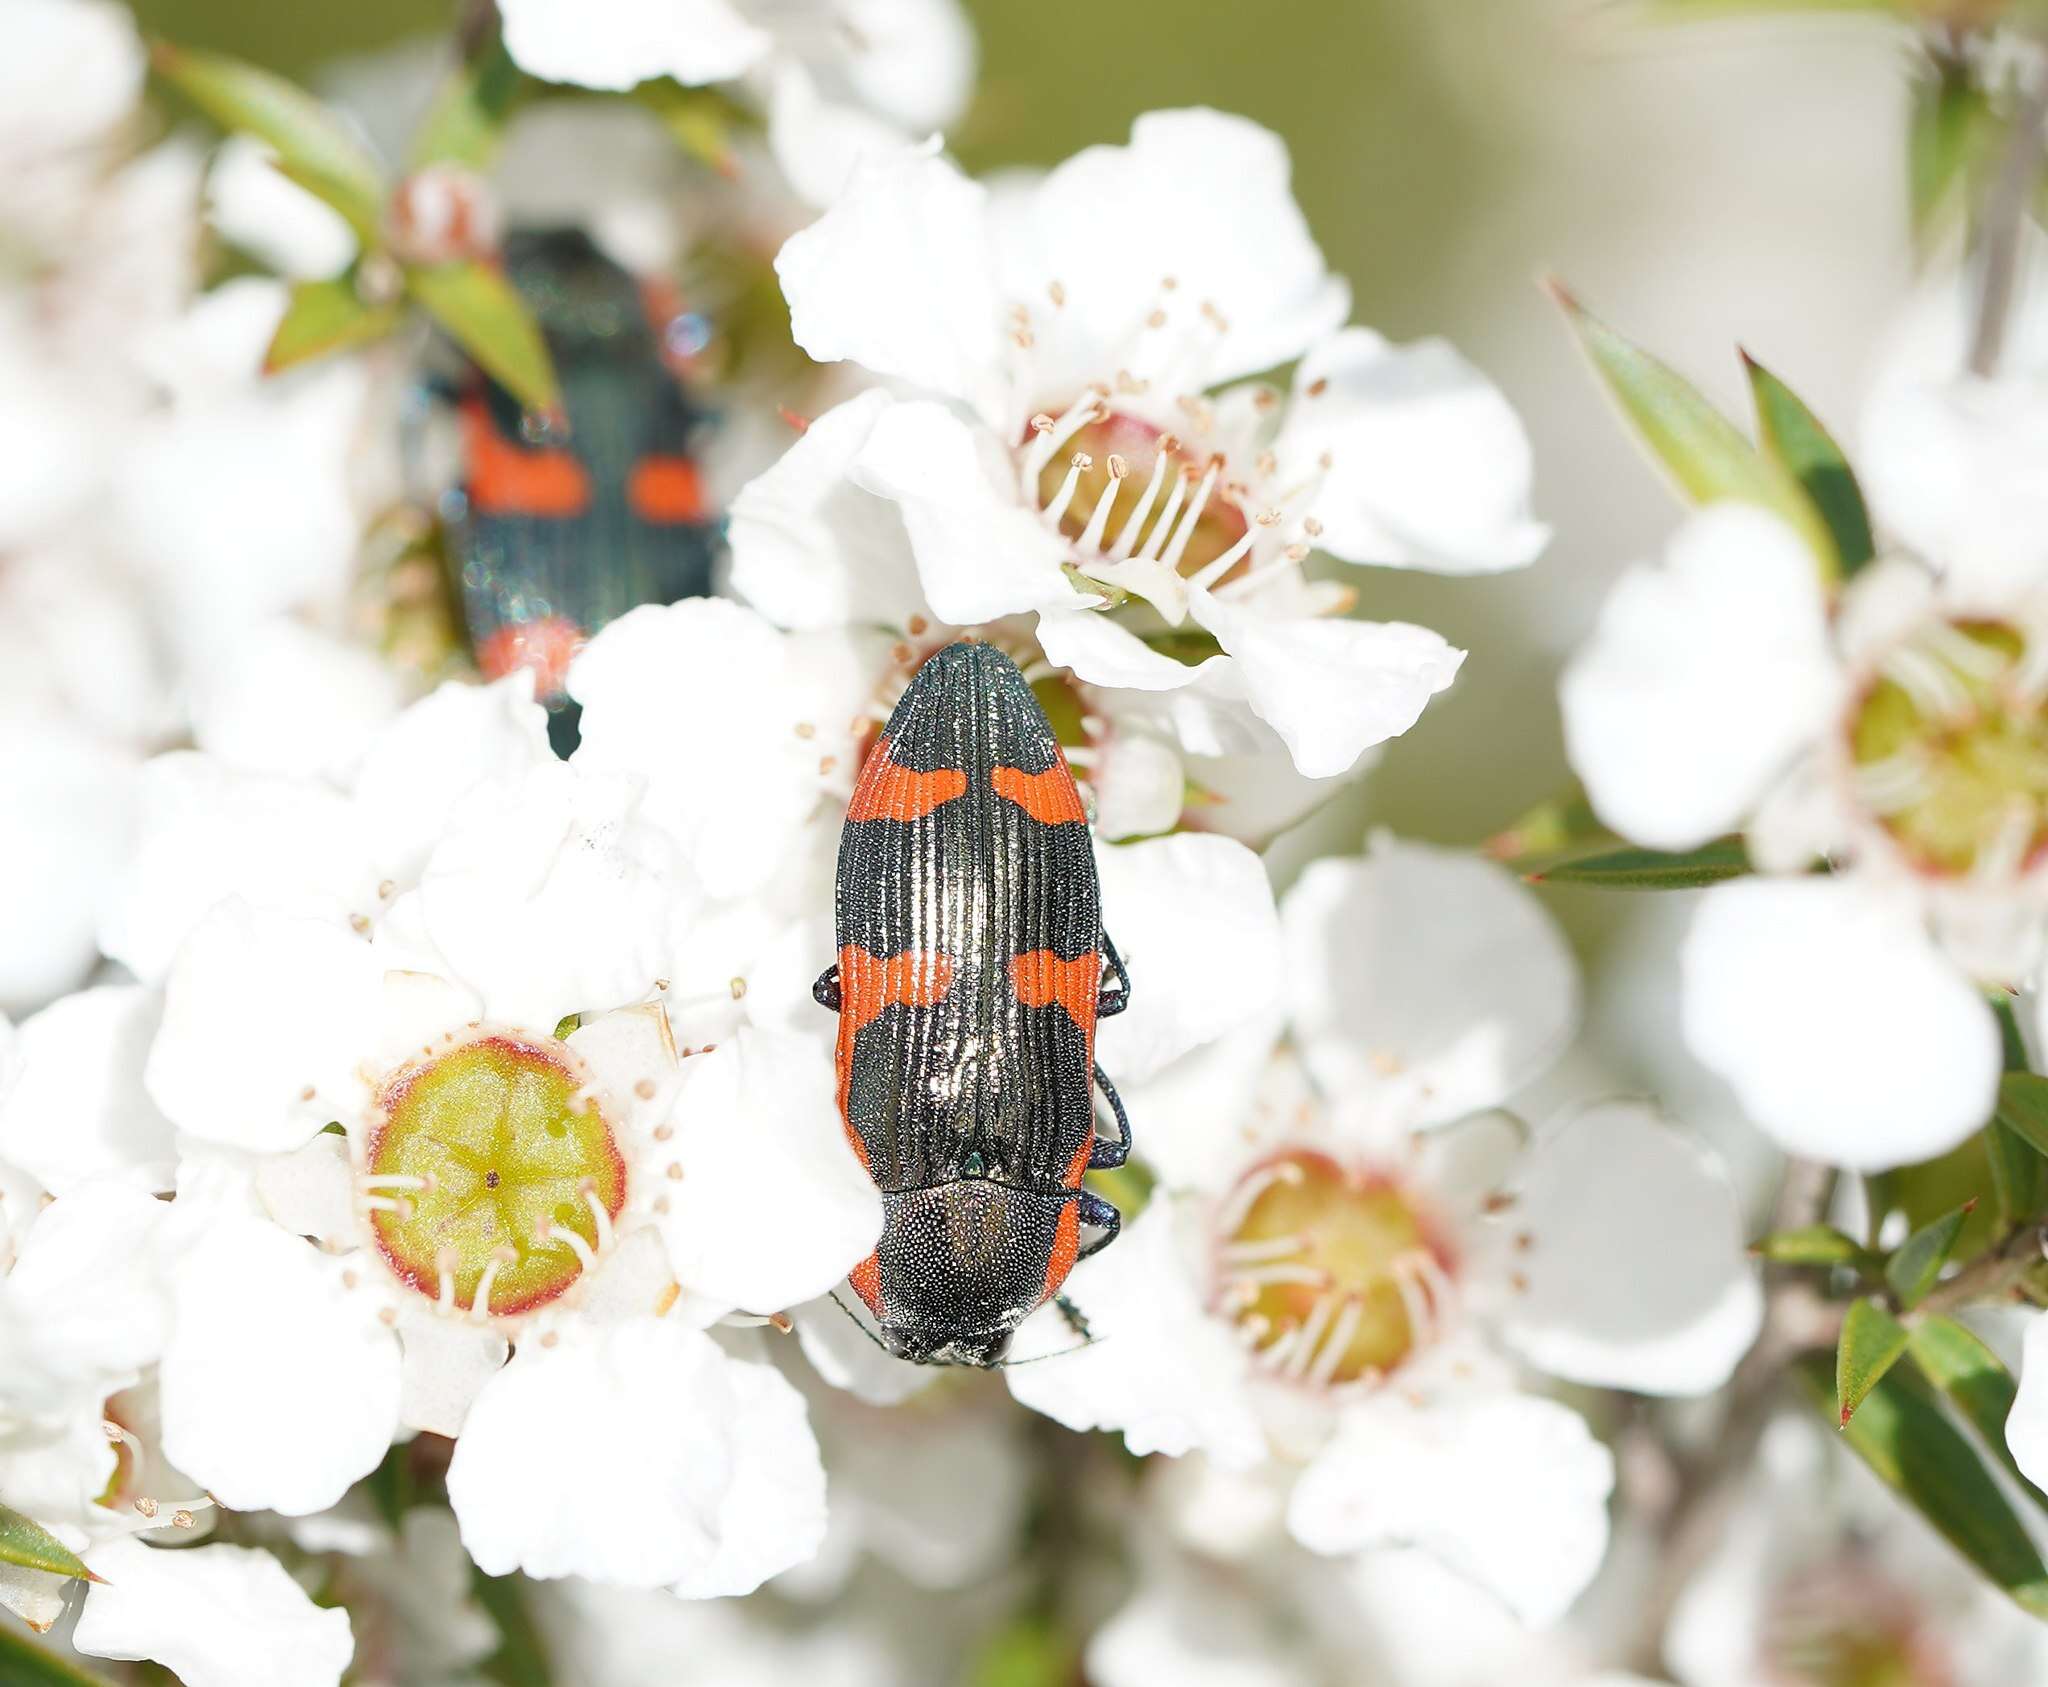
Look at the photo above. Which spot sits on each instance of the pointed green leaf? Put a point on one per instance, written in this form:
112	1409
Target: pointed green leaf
314	147
1911	1271
2019	1174
1904	1436
703	121
326	316
25	1664
1955	1359
1872	1340
1953	131
487	318
2023	1107
1793	435
26	1542
1815	1244
1650	869
1705	454
466	124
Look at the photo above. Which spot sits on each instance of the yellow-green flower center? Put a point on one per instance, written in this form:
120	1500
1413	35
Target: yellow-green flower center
1330	1270
1138	492
1950	745
495	1174
1843	1626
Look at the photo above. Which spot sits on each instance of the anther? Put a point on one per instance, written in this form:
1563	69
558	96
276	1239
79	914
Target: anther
738	987
804	729
644	1088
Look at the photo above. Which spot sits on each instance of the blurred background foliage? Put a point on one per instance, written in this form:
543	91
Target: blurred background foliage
1740	181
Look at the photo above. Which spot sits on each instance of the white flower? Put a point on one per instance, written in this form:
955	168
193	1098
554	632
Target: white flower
1898	734
1817	1571
1343	1253
592	1200
842	80
1064	428
70	76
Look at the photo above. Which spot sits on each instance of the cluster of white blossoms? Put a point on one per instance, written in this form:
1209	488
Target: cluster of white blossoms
426	1194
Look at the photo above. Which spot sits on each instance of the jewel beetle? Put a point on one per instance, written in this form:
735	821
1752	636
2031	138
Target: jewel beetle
972	970
564	522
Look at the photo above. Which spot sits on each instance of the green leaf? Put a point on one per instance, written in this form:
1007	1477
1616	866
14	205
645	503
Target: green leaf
1028	1651
2023	1108
1958	1363
702	121
1555	826
1911	1271
1815	1244
25	1664
1704	453
1953	130
314	147
2019	1174
487	318
1793	435
1650	869
323	317
1905	1437
26	1542
1872	1340
466	124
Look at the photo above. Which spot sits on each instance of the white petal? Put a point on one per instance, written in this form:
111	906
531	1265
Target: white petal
898	277
447	1361
2026	1427
1426	979
1171	1377
310	1191
1429	464
1139	784
1845	1033
1112	221
78	1109
914	59
83	1310
1704	678
265	1019
1192	1120
773	1207
268	215
846	1352
68	828
219	1616
980	554
426	762
1101	652
614	44
552	896
1331	688
209	832
615	1454
1637	1275
812	549
1199	1625
280	1384
741	732
1193	919
294	702
1509	1490
819	142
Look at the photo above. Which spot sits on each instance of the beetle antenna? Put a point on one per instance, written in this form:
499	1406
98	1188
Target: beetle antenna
1040	1358
854	1319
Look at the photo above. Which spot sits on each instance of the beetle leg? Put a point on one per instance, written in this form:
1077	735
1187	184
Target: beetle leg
1098	1212
1109	1003
1107	1155
826	991
1077	1320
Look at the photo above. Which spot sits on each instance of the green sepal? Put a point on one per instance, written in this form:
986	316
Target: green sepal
1872	1341
1903	1435
1556	826
1794	436
314	147
1917	1262
1652	869
1813	1244
484	314
26	1542
1704	453
327	316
